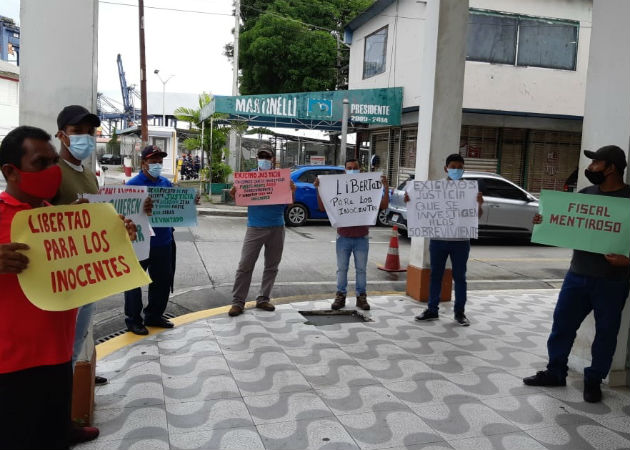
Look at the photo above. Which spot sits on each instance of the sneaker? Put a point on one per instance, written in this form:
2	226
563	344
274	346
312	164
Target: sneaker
592	391
427	316
265	306
235	310
100	381
161	322
544	378
340	301
462	320
79	434
362	302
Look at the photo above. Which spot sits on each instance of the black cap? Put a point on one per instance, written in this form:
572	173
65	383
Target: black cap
265	151
609	153
74	114
152	150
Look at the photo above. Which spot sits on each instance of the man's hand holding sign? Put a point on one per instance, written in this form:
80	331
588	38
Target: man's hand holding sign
77	254
263	187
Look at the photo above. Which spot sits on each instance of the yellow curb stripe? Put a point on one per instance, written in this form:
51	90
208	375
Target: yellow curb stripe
114	344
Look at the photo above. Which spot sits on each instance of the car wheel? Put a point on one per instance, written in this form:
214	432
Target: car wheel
296	215
381	219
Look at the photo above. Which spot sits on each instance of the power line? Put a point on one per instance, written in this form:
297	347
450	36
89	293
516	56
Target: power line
170	9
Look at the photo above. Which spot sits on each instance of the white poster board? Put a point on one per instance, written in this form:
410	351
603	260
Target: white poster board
129	201
443	209
351	199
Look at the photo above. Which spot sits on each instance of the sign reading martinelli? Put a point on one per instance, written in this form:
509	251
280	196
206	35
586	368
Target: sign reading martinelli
369	106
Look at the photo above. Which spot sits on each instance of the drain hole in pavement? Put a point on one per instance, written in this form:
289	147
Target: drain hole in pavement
323	317
124	330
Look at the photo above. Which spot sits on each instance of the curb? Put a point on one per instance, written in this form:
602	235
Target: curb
221	212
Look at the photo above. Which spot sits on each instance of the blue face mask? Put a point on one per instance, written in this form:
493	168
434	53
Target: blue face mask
455	174
264	164
81	145
351	171
155	170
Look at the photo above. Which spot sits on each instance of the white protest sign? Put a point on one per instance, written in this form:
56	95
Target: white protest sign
351	199
129	201
443	209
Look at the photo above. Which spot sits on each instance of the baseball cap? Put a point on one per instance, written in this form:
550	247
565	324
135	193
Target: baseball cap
152	150
266	151
609	153
74	114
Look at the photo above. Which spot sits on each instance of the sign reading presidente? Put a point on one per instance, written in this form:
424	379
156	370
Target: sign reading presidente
443	209
351	199
78	254
263	187
594	223
378	106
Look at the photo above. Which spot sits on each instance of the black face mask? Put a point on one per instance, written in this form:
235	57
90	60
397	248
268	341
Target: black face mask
595	177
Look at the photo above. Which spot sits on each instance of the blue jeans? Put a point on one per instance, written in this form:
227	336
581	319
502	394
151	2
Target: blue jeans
578	297
439	251
84	317
359	246
160	266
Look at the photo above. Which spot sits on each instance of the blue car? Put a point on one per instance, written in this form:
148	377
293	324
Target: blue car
305	206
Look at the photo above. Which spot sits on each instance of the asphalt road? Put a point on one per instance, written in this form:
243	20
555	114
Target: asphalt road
207	257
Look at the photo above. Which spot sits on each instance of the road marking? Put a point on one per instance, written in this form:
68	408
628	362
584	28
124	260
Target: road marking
522	259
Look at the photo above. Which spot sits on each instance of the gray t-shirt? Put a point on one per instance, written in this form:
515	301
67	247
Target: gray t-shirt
594	264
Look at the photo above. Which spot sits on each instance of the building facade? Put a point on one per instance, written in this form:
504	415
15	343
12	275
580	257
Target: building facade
9	97
524	85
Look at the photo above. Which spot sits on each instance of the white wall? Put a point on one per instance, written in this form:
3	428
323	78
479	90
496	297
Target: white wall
486	86
9	106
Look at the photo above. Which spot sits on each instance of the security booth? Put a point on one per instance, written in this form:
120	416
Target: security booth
163	137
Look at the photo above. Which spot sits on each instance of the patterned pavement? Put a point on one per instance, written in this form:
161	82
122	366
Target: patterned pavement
268	380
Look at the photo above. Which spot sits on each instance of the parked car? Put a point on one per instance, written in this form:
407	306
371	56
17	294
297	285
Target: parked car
571	183
305	206
508	209
109	158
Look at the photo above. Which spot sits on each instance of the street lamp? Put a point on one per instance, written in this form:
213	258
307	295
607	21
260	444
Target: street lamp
157	72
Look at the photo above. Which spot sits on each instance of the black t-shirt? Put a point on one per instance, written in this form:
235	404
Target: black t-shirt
594	264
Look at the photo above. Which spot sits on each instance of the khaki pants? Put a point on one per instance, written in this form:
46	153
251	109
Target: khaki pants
273	240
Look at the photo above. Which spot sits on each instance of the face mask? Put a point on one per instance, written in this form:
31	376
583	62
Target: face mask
455	174
351	171
155	170
43	184
264	164
595	177
81	145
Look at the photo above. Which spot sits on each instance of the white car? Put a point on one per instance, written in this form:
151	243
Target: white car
100	174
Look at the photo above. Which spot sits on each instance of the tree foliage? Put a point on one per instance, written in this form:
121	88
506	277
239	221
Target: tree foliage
294	45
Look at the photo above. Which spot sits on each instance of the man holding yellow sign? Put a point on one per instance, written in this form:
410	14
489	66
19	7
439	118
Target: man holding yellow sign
37	333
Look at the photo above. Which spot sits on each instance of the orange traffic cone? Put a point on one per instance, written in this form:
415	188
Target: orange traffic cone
392	262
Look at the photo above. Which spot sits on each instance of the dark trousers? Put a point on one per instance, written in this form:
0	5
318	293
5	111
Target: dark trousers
159	264
35	407
578	297
439	251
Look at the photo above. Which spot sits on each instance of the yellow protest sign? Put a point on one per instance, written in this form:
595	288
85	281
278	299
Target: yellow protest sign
78	254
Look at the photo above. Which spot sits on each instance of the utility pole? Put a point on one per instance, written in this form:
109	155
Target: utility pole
341	158
143	79
237	31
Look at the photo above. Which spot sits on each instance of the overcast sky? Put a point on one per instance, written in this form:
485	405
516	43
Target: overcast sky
188	45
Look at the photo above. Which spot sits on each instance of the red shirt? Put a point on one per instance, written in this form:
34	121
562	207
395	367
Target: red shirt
29	336
353	232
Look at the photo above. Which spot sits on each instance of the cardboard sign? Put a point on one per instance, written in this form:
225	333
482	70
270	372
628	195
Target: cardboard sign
173	207
351	199
78	254
129	201
263	187
594	223
443	209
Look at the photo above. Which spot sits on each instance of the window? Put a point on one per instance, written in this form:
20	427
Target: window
522	41
497	188
310	175
375	53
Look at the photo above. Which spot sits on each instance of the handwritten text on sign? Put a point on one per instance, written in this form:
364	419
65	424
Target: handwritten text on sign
78	254
351	199
129	201
443	209
594	223
173	207
263	187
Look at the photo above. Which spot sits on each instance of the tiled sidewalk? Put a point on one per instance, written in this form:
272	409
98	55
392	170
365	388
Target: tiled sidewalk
268	380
